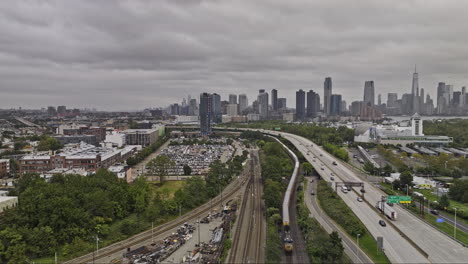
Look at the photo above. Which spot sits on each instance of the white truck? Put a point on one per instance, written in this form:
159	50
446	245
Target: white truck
387	210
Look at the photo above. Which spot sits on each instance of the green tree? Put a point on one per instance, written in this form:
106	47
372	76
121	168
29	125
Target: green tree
49	143
406	177
161	166
459	191
387	170
335	249
272	194
369	167
187	170
444	201
307	167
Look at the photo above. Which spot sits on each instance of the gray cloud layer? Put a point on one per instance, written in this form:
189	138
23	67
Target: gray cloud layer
141	53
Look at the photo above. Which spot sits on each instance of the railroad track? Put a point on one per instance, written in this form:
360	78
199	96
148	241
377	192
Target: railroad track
248	241
229	192
299	254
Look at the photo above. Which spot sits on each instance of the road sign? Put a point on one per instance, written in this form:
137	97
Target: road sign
398	199
440	220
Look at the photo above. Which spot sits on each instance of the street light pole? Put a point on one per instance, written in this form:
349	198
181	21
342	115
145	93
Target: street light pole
357	247
455	225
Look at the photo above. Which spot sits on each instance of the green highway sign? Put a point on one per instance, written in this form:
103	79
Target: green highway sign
398	199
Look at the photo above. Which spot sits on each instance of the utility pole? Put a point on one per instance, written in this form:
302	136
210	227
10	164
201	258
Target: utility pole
152	232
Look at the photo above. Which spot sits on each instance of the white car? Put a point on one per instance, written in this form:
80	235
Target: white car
359	199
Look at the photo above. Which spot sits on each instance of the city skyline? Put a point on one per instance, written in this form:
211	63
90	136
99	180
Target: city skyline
166	48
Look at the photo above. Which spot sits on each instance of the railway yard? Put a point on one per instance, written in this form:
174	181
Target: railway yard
116	250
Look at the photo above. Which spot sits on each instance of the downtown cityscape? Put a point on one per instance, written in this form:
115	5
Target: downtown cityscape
199	131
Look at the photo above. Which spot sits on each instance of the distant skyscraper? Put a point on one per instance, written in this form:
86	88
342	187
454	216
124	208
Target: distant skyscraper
421	98
344	106
175	109
274	99
51	110
61	109
391	99
335	105
282	103
206	111
440	91
300	105
463	93
243	103
449	93
379	99
356	107
232	99
217	113
456	100
415	92
327	92
313	104
193	107
369	96
232	109
262	99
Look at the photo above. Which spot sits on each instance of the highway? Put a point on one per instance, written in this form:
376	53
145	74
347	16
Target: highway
439	247
250	232
351	248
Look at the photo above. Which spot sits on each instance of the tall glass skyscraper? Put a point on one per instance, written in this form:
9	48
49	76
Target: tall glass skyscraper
206	111
327	92
369	95
300	105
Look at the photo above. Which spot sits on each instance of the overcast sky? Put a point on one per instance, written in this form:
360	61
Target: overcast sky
124	55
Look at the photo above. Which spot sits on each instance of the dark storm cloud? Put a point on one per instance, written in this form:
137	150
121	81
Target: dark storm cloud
140	53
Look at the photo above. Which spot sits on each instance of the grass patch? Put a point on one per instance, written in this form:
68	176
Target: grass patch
167	187
335	208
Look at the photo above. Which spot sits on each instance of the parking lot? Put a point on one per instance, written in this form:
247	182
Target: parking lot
198	157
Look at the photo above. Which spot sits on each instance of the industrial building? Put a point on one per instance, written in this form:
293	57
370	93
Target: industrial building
398	135
143	137
75	156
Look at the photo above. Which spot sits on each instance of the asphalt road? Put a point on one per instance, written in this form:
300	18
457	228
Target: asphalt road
439	247
351	249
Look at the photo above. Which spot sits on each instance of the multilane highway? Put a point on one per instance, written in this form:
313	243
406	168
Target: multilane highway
439	247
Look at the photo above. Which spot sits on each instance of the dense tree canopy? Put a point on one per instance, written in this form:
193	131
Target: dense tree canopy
67	208
455	128
48	143
459	191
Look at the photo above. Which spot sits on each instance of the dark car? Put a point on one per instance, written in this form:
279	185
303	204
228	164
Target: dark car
331	178
390	204
382	223
434	212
